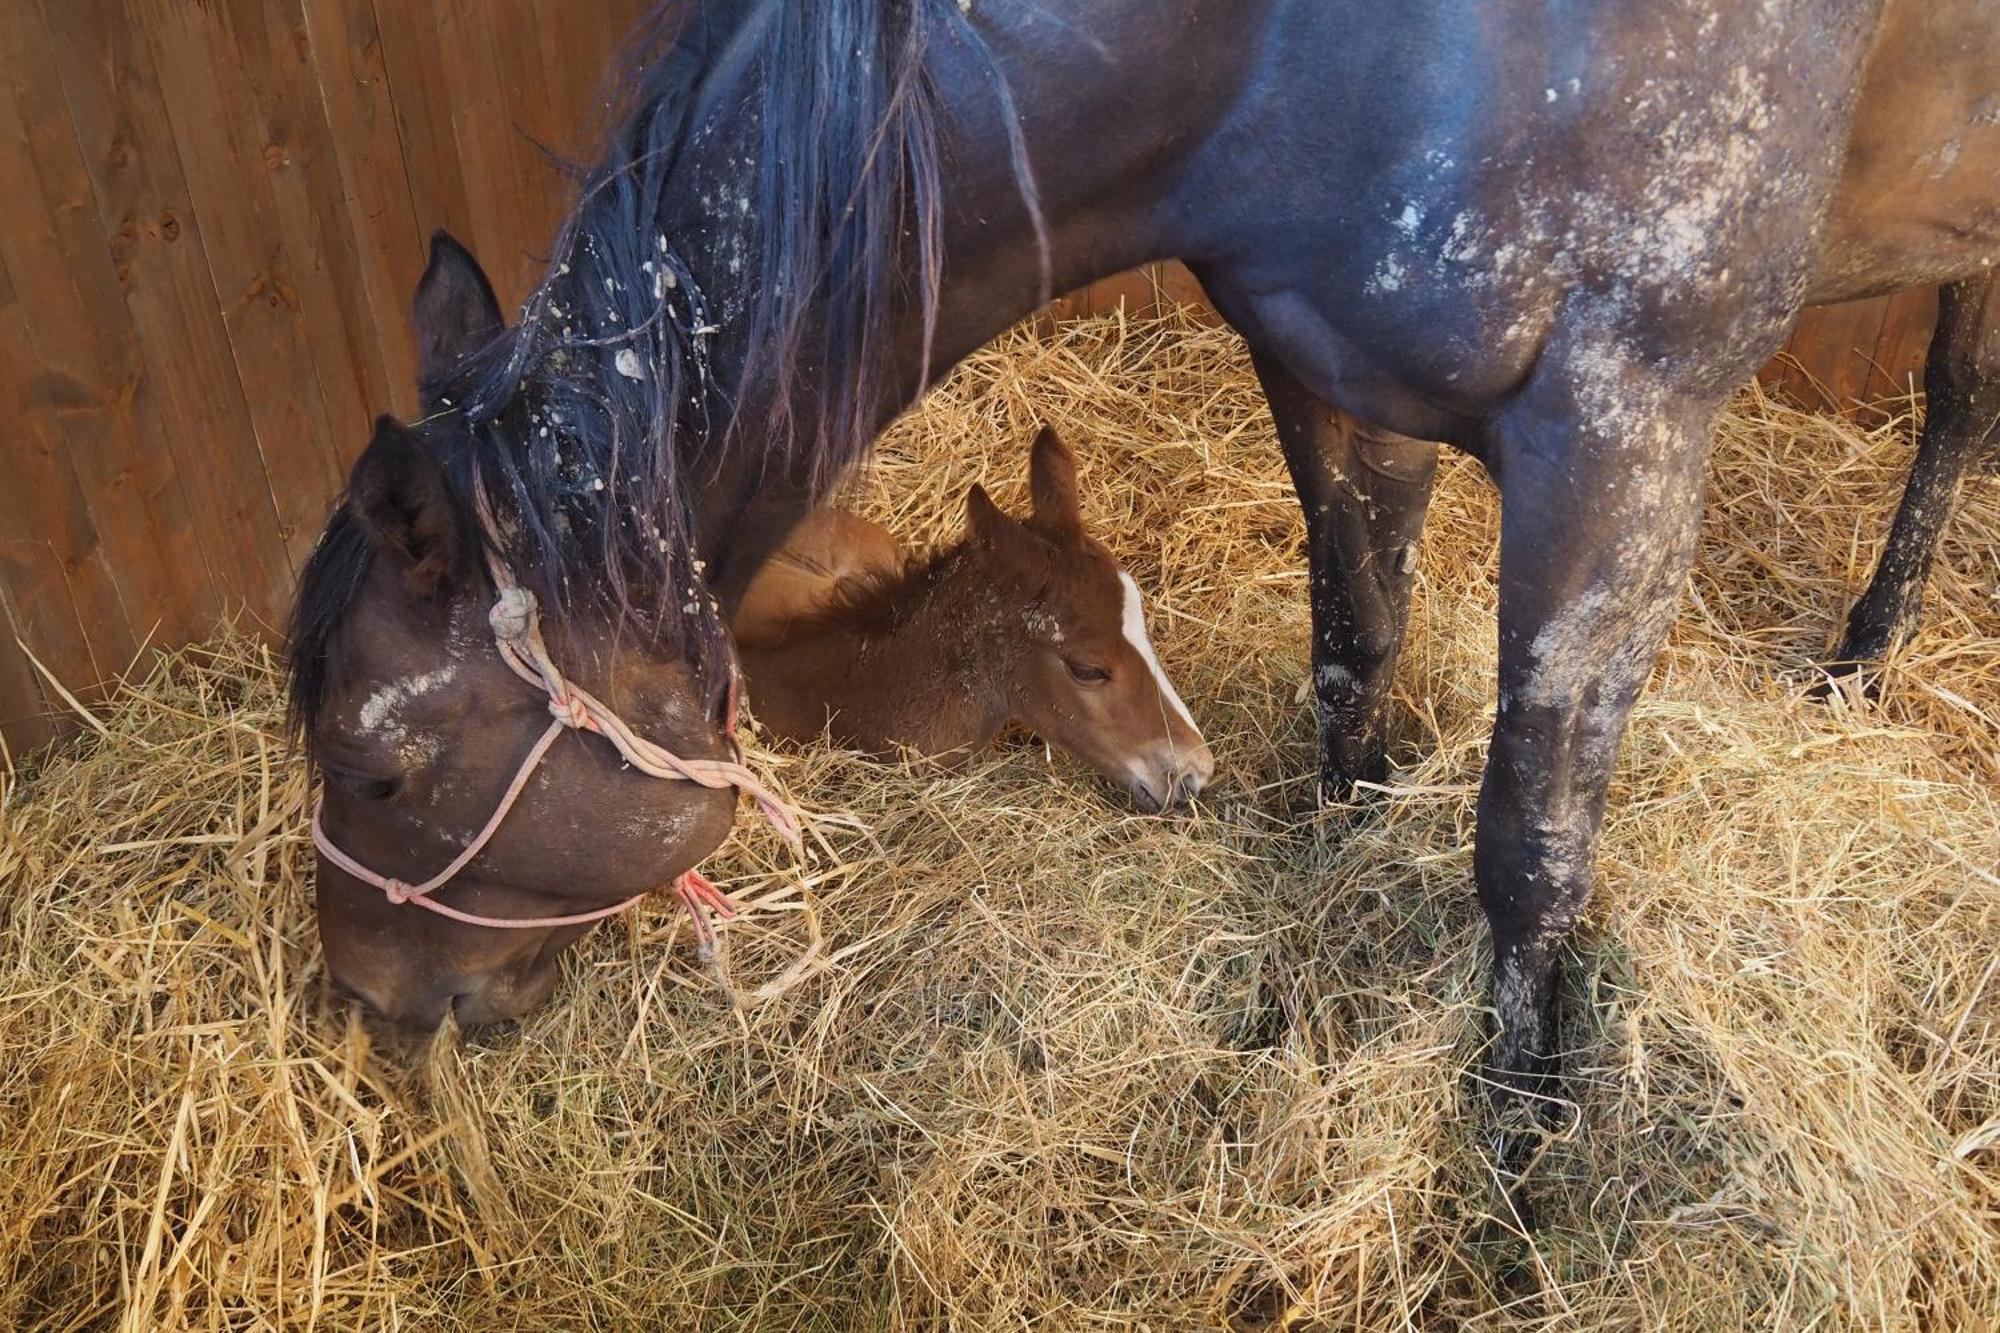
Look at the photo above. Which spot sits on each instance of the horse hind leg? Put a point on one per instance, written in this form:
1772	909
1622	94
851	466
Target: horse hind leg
1962	397
1365	495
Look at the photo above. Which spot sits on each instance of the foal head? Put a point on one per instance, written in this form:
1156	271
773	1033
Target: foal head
418	726
1070	642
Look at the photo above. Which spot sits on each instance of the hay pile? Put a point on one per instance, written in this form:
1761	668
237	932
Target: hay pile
1070	1067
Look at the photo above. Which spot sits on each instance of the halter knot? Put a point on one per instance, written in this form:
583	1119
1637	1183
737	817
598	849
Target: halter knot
518	637
571	709
513	614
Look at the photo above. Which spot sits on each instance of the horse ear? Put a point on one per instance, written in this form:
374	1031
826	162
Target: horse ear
1009	554
455	312
1052	484
991	530
399	496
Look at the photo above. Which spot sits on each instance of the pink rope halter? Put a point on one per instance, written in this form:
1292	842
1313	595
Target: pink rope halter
517	634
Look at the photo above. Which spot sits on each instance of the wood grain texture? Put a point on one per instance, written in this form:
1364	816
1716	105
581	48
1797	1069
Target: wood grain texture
156	253
59	586
1898	363
28	722
215	117
84	380
352	74
213	215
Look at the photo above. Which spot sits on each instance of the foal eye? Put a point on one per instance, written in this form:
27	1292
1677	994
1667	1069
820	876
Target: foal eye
1083	673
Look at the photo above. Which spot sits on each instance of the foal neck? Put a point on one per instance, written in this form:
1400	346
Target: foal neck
913	658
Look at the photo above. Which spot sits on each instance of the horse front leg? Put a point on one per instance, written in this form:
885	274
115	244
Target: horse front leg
1600	502
1962	409
1364	494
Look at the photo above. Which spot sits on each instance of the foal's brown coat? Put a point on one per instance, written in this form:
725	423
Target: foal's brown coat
1030	622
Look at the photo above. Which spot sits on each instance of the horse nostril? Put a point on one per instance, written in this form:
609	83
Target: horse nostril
1177	777
1167	791
1184	783
1147	797
474	1007
1197	767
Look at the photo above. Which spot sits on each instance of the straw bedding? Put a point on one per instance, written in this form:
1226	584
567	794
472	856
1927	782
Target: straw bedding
1056	1065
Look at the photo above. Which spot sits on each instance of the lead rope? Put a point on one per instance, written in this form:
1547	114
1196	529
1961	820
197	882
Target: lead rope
516	624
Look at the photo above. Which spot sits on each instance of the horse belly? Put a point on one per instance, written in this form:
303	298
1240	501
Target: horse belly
1919	195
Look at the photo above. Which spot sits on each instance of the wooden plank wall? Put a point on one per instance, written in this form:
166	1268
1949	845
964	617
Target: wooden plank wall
213	214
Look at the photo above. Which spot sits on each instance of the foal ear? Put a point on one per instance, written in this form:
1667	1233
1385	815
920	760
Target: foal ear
1009	554
991	530
455	311
1052	484
399	496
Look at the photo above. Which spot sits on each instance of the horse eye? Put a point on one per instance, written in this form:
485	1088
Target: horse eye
363	786
1083	673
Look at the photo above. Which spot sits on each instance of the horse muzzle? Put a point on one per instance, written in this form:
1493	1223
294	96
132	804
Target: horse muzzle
1171	777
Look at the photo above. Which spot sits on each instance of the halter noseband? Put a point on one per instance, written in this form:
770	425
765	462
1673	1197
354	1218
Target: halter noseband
517	634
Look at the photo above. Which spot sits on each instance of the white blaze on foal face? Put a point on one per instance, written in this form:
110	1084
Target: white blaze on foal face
1153	745
1135	634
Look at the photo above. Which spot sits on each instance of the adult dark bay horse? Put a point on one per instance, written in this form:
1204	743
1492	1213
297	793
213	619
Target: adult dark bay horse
1554	236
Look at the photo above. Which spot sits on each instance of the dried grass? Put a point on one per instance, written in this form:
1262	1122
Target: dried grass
1066	1067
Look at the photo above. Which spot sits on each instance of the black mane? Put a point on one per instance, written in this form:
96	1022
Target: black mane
593	421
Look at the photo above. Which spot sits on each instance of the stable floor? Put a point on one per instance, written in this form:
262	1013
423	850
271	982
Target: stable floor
1005	1054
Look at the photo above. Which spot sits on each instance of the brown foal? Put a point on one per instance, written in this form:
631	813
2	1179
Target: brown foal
1021	621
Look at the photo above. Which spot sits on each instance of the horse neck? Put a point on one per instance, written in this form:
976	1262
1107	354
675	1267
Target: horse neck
1106	198
933	679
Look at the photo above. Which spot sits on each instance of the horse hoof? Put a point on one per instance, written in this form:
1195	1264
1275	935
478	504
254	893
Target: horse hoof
1347	784
1332	802
1525	1090
1518	1136
1835	675
1526	1122
1517	1201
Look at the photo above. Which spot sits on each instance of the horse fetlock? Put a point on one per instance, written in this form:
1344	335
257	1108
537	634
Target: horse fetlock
1524	1089
1886	614
1523	1064
1533	883
1867	640
1340	776
1351	732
